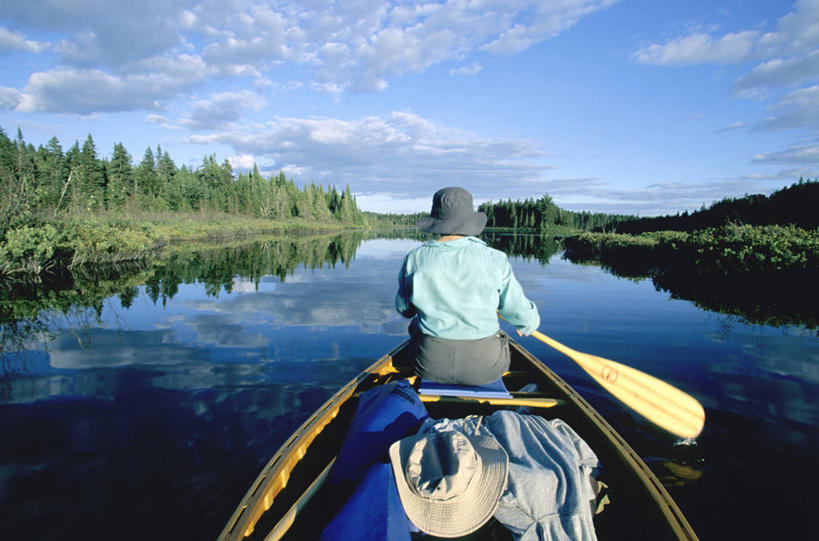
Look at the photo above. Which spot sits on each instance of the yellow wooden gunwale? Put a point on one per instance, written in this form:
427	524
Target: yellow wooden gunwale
274	476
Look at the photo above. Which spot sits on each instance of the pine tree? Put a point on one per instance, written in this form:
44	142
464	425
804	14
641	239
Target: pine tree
91	172
120	177
8	188
228	188
166	173
55	171
146	179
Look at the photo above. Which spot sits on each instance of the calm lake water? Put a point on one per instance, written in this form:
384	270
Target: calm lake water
142	405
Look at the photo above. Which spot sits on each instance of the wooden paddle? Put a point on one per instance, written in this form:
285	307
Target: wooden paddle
661	403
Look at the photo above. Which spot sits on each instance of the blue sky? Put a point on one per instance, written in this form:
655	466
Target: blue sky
628	106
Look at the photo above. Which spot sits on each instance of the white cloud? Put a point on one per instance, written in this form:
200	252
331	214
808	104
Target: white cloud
185	69
786	74
346	45
784	175
654	199
731	127
389	202
471	69
162	120
796	33
537	22
798	109
400	153
9	98
89	91
779	73
805	153
798	30
699	48
244	161
103	36
221	110
156	119
15	41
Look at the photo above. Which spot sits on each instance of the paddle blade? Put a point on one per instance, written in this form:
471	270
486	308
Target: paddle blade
659	402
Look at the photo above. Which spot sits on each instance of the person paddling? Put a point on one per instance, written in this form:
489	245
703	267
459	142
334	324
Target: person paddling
453	288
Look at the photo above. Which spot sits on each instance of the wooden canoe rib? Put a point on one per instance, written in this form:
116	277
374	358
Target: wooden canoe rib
641	507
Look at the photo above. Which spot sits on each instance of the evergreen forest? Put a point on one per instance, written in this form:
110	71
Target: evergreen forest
544	216
793	205
61	207
796	204
47	179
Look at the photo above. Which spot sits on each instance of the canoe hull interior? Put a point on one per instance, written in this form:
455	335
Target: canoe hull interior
287	501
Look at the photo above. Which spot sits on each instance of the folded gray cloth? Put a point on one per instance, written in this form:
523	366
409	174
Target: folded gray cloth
549	493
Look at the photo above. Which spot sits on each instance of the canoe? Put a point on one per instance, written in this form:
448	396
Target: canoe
285	501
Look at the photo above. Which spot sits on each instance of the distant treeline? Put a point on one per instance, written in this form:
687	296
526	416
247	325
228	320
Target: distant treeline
46	180
390	219
794	205
530	215
541	215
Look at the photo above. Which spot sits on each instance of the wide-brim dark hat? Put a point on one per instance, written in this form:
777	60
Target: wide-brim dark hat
452	214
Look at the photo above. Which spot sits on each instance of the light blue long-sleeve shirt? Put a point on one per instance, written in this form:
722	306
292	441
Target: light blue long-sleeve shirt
456	289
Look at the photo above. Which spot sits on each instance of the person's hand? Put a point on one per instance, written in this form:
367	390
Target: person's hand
519	333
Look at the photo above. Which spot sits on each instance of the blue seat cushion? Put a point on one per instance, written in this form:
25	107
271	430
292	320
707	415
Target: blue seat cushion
496	389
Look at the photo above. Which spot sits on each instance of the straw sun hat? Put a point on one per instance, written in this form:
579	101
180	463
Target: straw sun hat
449	483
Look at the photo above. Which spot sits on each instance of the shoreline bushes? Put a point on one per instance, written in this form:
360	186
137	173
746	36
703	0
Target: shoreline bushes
60	245
764	274
727	250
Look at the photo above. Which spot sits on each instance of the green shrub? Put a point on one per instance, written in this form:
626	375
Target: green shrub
739	249
727	250
29	249
94	241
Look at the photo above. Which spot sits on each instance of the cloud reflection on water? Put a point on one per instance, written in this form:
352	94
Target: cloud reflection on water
197	340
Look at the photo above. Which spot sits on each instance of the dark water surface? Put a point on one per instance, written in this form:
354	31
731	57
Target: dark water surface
141	406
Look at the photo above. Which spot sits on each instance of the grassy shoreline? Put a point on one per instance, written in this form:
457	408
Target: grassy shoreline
762	274
730	250
63	243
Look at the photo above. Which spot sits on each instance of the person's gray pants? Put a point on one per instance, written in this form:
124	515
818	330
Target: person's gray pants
462	362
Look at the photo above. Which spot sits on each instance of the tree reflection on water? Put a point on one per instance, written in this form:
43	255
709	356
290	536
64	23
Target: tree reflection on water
27	310
775	299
